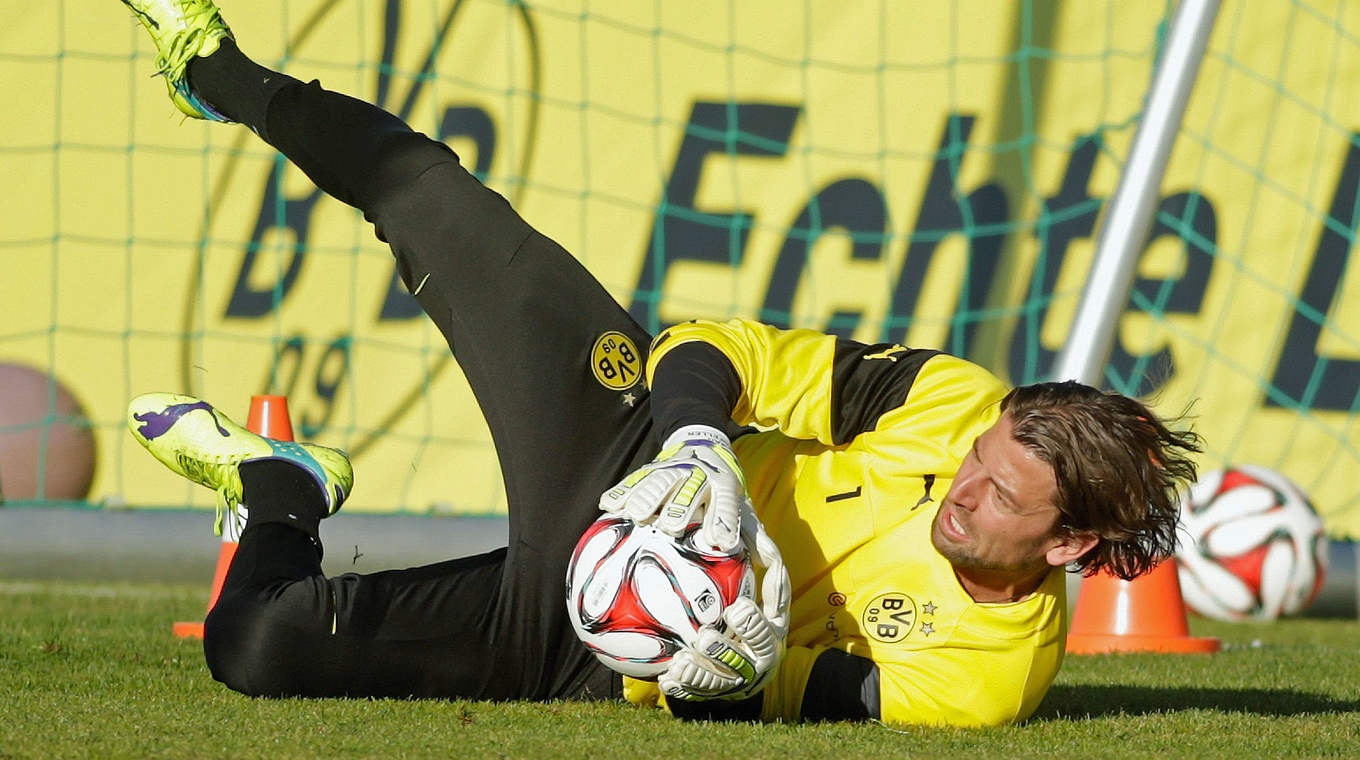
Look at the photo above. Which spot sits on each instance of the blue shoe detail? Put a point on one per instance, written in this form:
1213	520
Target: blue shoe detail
294	453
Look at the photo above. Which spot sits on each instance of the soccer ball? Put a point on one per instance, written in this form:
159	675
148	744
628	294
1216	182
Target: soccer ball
1252	546
636	595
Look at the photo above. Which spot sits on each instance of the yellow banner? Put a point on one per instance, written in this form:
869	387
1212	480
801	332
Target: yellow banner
923	172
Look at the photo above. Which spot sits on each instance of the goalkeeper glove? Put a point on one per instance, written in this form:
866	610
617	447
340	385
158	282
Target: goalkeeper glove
696	476
737	660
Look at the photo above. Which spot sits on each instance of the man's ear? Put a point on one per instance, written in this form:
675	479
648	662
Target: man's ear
1069	547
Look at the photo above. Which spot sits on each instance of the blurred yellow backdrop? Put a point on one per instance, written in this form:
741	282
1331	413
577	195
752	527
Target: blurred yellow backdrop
145	252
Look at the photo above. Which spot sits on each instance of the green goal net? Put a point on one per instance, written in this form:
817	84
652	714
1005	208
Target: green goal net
930	173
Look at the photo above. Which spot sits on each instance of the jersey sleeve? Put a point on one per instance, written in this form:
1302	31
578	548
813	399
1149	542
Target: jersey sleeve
695	385
808	384
940	688
820	683
946	687
811	684
841	686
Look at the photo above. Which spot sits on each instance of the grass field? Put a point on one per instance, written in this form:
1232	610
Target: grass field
93	671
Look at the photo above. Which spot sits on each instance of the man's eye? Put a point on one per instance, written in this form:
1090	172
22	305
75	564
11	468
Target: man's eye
997	500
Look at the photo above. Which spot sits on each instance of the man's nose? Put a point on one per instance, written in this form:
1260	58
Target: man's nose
967	490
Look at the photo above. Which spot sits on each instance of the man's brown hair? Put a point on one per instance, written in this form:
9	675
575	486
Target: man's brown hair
1119	469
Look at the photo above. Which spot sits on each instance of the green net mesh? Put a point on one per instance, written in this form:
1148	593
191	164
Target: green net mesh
928	173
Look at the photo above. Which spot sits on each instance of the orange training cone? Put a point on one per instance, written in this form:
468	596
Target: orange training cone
1146	614
269	418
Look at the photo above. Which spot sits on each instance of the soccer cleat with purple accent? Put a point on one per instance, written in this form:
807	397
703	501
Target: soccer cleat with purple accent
182	30
202	444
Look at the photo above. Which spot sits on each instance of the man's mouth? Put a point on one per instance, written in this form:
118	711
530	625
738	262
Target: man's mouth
953	526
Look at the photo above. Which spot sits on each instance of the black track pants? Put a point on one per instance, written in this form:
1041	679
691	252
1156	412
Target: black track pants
521	316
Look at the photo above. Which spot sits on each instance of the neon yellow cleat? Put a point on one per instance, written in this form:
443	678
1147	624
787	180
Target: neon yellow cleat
200	443
182	30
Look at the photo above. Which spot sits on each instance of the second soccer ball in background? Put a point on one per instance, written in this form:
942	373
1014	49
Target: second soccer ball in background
1252	547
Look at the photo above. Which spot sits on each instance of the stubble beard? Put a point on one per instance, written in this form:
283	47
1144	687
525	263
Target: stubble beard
961	557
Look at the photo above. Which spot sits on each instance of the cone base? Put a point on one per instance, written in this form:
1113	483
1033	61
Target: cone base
1097	643
187	630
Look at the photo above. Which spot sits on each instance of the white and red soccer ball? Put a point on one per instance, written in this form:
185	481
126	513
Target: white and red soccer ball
636	595
1252	547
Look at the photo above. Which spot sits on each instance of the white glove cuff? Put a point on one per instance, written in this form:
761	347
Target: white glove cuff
697	432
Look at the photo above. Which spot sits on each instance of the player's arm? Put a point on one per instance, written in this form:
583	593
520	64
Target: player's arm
960	687
807	384
964	685
695	385
840	686
695	476
707	377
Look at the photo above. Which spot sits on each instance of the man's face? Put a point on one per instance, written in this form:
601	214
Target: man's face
999	515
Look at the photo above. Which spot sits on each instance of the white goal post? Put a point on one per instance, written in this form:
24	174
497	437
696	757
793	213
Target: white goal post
1125	227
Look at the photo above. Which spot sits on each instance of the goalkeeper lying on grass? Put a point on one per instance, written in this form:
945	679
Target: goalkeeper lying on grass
924	514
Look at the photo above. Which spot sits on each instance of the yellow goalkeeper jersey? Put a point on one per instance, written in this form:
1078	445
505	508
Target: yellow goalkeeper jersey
862	443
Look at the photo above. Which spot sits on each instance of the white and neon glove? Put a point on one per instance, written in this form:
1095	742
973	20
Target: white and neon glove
737	659
695	477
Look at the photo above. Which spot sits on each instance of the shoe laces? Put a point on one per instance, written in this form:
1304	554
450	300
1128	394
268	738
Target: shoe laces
186	43
226	505
228	496
184	46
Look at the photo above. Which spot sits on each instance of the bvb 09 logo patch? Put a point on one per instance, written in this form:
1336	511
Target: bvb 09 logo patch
889	617
615	361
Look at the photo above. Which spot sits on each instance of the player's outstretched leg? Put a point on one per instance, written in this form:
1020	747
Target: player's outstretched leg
522	315
280	627
354	151
202	444
275	602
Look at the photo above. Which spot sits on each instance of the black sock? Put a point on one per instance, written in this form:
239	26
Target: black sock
235	85
276	491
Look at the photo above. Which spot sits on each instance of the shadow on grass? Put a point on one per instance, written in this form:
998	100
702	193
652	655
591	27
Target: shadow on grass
1073	702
